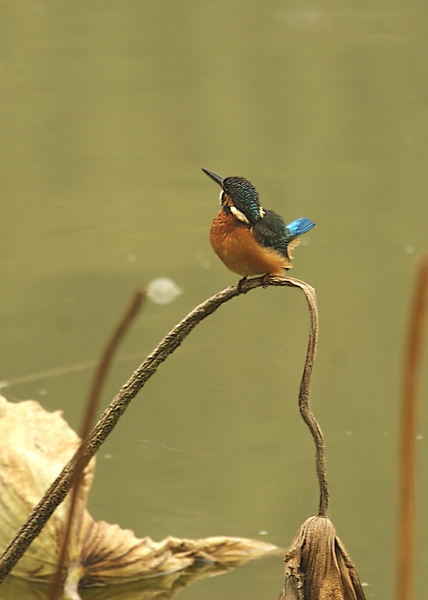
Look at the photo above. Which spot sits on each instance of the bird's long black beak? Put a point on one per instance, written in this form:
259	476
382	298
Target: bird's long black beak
214	176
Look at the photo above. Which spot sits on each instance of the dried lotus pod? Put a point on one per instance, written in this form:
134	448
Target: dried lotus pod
318	566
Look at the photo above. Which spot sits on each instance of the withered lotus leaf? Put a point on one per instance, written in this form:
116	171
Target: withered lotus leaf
34	447
318	565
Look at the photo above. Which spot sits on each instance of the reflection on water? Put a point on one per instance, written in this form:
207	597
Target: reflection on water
157	588
109	111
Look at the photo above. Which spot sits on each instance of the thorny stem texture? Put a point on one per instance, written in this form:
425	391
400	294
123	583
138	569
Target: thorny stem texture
59	489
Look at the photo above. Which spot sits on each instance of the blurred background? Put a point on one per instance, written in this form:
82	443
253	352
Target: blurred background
108	112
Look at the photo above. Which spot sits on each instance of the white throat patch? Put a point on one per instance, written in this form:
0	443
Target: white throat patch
239	215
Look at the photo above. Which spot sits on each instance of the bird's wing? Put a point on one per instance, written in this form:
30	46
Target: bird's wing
272	232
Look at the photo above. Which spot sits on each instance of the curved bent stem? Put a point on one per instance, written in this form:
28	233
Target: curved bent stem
304	406
59	489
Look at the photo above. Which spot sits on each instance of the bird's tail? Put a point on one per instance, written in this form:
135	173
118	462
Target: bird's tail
300	226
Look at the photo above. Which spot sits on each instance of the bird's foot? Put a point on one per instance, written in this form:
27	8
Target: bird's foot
266	280
240	284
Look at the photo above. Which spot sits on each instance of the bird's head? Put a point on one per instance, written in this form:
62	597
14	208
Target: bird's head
240	197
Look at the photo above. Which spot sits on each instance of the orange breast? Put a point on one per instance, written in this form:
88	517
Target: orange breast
234	243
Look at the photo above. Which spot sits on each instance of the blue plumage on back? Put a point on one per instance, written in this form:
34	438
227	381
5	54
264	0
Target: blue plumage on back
299	227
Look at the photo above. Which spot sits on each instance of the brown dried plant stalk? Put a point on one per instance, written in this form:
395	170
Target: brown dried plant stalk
304	406
409	424
99	380
61	486
317	563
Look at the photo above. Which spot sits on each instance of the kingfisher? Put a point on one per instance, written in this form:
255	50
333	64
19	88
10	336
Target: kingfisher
249	239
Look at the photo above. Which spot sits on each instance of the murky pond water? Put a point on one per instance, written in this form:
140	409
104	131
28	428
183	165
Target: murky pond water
109	111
